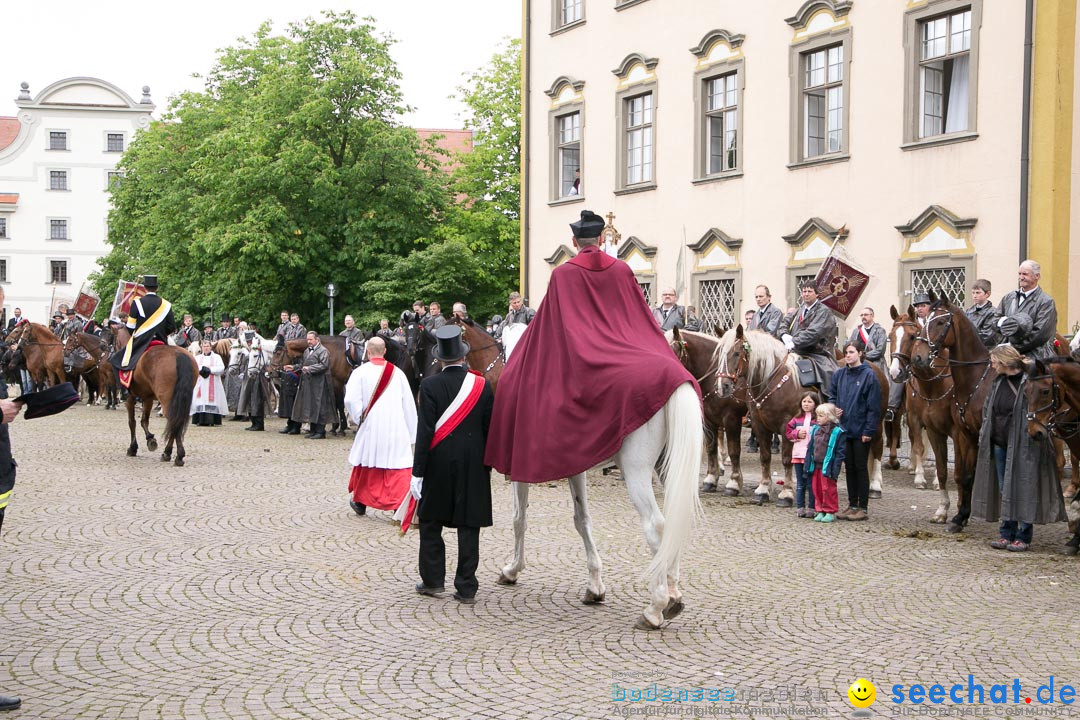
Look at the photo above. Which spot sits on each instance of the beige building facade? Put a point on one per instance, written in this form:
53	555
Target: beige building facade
733	143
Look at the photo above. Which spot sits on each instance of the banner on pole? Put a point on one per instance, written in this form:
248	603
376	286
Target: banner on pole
840	282
125	293
86	303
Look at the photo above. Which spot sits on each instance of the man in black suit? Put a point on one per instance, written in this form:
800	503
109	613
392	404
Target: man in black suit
15	319
450	480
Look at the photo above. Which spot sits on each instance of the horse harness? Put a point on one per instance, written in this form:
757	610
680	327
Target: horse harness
1058	408
759	401
934	350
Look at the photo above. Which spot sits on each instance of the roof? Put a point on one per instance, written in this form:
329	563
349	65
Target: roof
9	198
9	130
453	141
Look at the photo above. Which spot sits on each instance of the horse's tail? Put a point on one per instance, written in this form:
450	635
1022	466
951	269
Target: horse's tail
180	407
682	464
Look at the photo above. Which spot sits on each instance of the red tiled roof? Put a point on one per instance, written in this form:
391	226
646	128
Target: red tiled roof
453	141
9	130
9	198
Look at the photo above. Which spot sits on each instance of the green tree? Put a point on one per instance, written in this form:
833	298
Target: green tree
286	172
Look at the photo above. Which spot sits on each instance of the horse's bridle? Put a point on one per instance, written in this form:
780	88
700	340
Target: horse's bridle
1057	407
907	373
934	350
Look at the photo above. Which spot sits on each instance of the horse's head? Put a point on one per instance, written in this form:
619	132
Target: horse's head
937	334
1044	401
901	340
413	331
681	347
237	354
17	334
734	357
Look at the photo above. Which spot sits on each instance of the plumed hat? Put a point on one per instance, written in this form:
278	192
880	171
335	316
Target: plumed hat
589	226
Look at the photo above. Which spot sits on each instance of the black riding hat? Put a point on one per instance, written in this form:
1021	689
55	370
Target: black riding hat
49	401
920	298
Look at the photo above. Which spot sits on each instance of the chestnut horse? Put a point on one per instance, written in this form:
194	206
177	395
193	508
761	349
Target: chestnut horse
98	372
1053	400
705	357
948	335
485	353
42	351
929	394
164	373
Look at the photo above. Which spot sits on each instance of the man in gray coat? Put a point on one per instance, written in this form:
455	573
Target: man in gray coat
873	337
767	317
315	399
1028	317
811	332
669	315
983	315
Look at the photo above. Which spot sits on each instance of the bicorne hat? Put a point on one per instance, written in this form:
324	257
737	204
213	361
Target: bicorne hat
49	401
451	347
589	226
920	298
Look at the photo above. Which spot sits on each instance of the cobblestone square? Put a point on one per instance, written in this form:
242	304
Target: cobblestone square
243	586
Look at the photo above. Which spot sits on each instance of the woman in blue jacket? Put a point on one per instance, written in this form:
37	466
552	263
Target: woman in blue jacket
857	396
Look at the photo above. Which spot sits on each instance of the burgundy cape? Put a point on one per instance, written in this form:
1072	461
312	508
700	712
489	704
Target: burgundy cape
592	368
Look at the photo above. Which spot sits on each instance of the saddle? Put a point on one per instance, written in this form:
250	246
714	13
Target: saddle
352	355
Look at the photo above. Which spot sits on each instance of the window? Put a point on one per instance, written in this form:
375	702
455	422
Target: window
3	227
58	229
569	151
646	291
823	101
58	140
944	67
112	179
114	142
58	180
722	122
638	114
3	270
58	271
570	11
948	282
716	303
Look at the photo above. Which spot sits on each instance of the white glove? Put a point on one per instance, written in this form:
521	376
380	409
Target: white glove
415	486
787	342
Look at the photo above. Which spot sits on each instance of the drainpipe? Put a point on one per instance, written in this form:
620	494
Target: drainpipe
1025	127
523	213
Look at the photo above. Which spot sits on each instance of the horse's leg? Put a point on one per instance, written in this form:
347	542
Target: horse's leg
151	441
786	496
712	460
877	451
166	454
764	437
133	447
509	574
966	455
594	591
733	431
939	443
918	452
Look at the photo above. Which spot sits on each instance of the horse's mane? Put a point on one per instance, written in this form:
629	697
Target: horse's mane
766	352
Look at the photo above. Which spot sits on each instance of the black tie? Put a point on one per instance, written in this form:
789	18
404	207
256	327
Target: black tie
1020	298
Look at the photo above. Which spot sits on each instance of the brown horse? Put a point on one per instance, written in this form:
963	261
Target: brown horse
773	394
950	336
291	352
164	373
930	393
91	365
42	351
705	357
1053	400
485	353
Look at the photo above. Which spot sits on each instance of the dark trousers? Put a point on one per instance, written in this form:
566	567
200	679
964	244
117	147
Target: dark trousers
7	487
858	474
433	557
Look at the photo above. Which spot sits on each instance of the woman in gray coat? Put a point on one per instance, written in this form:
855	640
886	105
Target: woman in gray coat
1016	475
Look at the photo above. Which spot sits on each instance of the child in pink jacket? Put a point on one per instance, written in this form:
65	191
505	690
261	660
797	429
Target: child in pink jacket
798	432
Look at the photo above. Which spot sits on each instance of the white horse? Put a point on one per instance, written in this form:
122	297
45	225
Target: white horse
676	428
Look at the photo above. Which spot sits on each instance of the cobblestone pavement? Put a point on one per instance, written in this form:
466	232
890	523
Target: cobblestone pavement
242	586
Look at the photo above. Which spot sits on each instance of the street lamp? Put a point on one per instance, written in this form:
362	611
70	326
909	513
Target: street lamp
331	292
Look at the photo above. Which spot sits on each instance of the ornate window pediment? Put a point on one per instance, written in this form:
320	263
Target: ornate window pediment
561	255
636	68
718	46
936	231
638	255
819	16
811	243
716	249
565	90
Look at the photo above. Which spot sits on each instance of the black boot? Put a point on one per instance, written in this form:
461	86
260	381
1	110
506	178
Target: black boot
358	508
238	418
256	424
9	702
318	432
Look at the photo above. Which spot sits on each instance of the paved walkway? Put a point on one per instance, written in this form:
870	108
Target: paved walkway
242	586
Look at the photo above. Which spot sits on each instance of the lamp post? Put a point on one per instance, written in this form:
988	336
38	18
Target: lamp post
331	292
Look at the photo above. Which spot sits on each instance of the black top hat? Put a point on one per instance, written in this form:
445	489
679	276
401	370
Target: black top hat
58	314
49	401
451	347
150	282
920	298
71	311
589	226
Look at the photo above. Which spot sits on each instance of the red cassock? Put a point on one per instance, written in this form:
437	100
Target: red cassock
592	368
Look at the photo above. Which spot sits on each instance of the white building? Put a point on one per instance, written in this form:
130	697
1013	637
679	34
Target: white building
58	157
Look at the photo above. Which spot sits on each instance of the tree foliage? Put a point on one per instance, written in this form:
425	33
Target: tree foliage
286	172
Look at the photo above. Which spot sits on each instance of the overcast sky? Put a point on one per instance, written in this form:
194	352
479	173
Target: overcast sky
132	43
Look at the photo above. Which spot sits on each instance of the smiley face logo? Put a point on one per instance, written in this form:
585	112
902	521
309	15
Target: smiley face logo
862	693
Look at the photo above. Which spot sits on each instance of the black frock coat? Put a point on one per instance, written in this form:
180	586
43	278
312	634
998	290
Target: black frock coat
457	484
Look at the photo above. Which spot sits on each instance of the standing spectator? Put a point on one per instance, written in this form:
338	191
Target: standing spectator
255	392
315	398
810	330
290	329
748	317
983	314
379	400
798	432
767	317
235	373
16	317
857	396
9	410
1016	475
450	480
824	455
668	313
1028	317
188	334
208	403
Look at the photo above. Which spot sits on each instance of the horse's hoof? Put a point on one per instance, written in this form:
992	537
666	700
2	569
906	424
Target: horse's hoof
644	624
720	472
785	502
151	444
760	499
708	487
731	492
179	463
892	464
920	485
954	528
132	452
1070	550
592	598
503	580
674	607
937	520
166	457
875	495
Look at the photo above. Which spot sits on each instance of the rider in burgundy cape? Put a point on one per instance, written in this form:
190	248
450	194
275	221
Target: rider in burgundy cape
592	367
